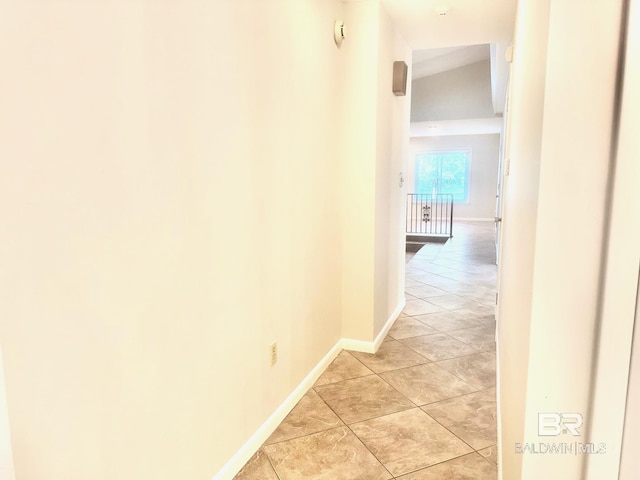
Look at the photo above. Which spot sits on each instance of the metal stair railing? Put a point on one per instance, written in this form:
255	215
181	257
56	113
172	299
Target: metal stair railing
430	214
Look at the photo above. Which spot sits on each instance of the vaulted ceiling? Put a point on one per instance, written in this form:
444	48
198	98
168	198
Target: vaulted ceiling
436	60
437	31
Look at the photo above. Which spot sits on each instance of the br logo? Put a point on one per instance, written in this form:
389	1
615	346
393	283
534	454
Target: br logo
554	424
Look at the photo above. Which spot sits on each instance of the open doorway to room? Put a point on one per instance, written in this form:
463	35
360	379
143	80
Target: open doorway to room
457	107
454	177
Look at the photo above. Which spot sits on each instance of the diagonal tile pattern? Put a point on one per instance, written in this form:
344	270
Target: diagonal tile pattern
471	417
421	408
467	467
344	367
390	356
309	416
424	384
409	440
335	453
363	398
439	346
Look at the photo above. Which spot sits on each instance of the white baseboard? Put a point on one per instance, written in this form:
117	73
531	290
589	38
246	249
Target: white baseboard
372	347
390	321
251	446
466	219
358	345
498	410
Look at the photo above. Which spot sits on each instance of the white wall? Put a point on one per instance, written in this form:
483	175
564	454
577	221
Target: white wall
182	184
483	172
615	412
575	163
151	248
519	204
374	154
463	92
359	168
629	461
558	155
629	151
392	138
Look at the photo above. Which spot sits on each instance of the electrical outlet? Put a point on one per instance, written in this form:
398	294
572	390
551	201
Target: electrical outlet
274	353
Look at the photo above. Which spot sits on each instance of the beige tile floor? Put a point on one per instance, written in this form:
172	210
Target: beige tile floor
423	407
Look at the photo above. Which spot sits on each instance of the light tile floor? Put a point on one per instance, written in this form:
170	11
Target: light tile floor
423	407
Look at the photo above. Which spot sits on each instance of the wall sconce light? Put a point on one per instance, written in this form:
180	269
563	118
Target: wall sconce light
399	84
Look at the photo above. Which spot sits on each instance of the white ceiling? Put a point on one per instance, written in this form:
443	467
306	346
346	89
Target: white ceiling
468	22
436	60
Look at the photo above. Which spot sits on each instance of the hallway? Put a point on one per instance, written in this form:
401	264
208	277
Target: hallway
423	407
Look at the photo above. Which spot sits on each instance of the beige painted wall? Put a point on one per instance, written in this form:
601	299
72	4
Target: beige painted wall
520	197
151	247
483	174
576	142
615	413
559	140
629	461
392	138
359	168
463	92
375	149
175	197
629	152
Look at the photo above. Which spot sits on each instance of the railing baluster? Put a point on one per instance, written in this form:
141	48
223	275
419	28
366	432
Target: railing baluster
451	216
429	214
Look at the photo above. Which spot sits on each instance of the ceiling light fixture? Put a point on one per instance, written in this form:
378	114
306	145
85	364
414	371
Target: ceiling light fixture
442	10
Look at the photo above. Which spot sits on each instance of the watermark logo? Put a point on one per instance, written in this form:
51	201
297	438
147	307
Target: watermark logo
554	424
560	448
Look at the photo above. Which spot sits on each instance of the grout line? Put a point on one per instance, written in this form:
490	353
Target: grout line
446	428
369	450
435	464
356	436
273	467
459	254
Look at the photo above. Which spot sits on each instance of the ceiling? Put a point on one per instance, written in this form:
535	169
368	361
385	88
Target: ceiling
436	60
446	34
472	126
467	22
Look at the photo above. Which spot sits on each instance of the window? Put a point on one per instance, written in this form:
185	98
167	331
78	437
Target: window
443	172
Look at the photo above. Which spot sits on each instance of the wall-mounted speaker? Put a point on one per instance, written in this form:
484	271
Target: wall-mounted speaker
399	79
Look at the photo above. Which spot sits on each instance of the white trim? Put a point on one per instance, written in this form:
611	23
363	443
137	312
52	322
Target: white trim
470	219
387	326
7	471
620	282
358	345
251	446
498	409
372	347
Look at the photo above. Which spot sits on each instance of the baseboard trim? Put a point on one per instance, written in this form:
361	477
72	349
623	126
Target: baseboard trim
498	410
251	446
467	219
372	347
358	345
389	323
